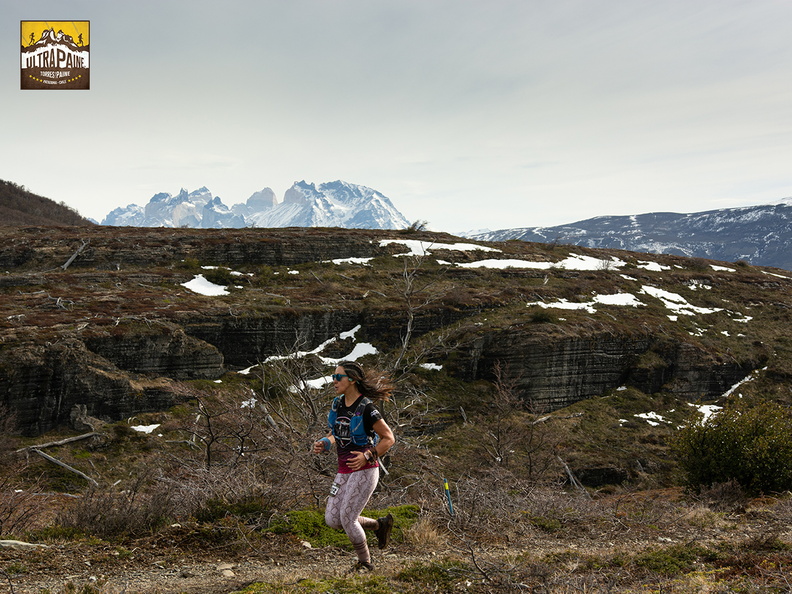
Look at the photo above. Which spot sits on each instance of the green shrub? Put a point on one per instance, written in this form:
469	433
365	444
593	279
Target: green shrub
677	559
543	317
749	445
438	576
546	524
215	509
219	276
309	525
189	264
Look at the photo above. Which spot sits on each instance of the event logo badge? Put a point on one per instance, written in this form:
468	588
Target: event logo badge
55	54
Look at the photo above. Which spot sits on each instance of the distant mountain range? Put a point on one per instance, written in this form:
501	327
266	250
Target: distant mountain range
332	204
760	235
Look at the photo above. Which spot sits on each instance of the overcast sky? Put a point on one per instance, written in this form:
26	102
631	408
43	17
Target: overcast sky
468	114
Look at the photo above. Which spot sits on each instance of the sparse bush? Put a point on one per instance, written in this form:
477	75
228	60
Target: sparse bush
750	445
543	317
423	534
108	513
415	227
19	508
20	503
219	276
439	576
724	497
673	560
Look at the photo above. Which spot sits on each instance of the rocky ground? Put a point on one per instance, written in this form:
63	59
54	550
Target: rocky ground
154	566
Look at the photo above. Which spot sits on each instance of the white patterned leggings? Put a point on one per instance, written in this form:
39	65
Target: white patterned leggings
343	509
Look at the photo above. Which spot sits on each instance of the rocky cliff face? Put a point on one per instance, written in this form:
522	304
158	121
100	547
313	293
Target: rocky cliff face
157	348
43	382
554	373
113	373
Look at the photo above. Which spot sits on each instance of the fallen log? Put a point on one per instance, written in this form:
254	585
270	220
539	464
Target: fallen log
64	465
60	442
75	254
18	544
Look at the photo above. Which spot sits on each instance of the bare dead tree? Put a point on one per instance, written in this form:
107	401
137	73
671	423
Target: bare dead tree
513	433
60	442
224	429
416	296
289	378
502	434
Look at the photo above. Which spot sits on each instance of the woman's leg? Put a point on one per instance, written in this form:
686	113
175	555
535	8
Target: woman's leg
353	495
334	502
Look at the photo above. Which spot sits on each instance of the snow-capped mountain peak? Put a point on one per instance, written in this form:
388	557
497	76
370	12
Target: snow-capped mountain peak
332	204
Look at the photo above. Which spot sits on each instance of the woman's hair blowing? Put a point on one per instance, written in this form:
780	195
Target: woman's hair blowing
374	385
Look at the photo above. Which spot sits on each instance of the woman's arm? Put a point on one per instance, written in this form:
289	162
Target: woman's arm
386	439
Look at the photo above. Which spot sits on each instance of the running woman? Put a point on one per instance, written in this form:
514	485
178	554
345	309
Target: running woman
361	437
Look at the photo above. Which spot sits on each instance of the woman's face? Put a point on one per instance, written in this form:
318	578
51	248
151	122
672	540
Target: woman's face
343	384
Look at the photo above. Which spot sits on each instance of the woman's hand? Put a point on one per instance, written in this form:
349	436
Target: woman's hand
322	445
357	461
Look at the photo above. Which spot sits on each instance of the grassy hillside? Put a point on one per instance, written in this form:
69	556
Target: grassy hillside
18	207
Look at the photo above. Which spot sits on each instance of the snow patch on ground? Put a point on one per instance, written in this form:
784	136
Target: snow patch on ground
202	286
573	262
676	303
145	428
623	299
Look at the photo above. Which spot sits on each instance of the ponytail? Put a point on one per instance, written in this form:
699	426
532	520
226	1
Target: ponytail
372	384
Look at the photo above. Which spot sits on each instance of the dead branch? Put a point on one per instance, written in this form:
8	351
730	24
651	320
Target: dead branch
75	254
10	582
64	465
187	442
575	483
60	442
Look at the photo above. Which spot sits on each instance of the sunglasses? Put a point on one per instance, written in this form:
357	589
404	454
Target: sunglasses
337	376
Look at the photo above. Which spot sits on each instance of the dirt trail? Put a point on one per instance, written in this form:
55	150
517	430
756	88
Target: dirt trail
149	568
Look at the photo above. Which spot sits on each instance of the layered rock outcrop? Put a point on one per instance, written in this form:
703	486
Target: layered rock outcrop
41	383
556	371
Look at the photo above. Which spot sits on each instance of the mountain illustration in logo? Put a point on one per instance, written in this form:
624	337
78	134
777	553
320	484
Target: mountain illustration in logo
50	37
